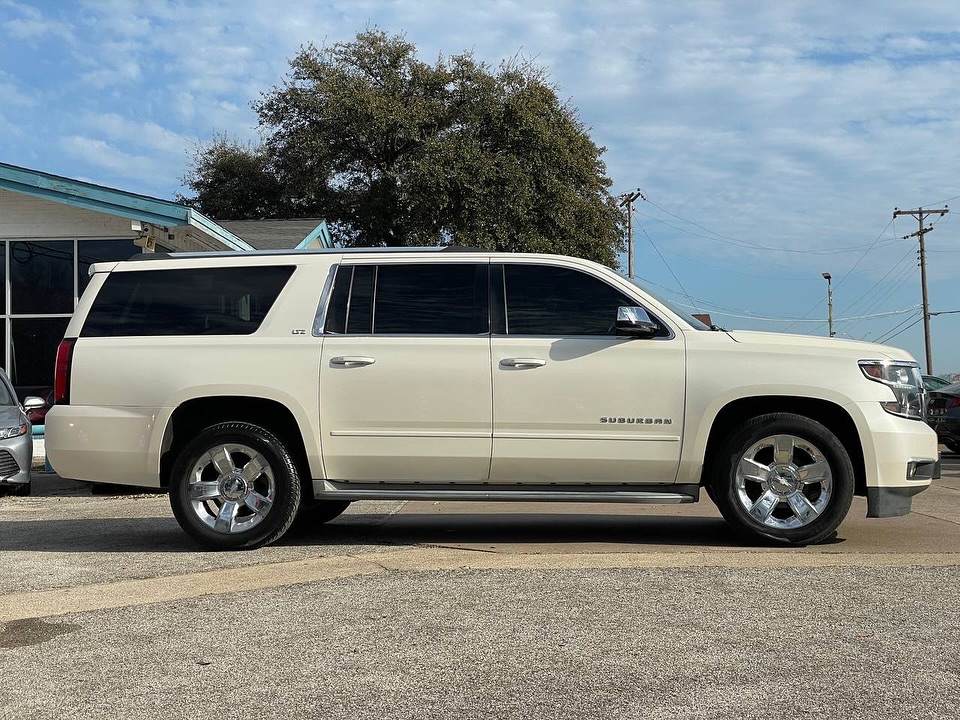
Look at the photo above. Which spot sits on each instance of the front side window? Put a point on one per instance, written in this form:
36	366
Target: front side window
196	301
410	299
559	301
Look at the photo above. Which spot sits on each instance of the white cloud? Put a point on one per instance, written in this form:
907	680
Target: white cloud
28	23
103	155
145	134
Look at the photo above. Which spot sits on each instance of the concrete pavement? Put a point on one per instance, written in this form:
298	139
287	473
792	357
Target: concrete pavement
402	610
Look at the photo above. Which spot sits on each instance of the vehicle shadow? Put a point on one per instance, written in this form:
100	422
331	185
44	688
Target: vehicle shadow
519	532
512	532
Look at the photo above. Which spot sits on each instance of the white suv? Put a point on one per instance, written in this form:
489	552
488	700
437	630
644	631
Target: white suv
256	386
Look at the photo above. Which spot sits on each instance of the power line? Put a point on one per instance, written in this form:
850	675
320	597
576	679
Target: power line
653	245
887	336
727	240
739	241
847	274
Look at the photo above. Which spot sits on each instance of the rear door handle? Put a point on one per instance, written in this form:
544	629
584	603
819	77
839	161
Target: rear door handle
352	360
523	362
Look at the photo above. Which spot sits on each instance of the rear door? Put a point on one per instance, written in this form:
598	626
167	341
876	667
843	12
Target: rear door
405	386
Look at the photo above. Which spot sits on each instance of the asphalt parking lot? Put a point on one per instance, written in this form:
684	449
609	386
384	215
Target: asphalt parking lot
400	610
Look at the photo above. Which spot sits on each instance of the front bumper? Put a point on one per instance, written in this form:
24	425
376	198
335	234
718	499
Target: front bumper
901	459
16	457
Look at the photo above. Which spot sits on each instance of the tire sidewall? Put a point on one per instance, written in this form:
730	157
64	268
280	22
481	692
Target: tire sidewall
724	488
286	478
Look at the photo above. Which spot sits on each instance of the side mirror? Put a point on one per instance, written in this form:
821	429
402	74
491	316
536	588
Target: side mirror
635	321
33	402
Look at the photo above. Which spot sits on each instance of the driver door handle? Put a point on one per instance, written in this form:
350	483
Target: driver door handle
523	362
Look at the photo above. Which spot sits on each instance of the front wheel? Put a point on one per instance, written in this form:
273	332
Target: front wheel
235	486
783	477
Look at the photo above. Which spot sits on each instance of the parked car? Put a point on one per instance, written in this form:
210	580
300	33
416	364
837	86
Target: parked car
36	413
16	441
943	415
932	382
251	385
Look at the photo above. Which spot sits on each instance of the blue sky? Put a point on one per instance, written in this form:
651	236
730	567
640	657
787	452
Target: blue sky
772	140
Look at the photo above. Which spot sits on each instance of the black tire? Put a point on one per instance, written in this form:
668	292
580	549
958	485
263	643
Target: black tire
952	445
235	486
802	495
317	512
19	490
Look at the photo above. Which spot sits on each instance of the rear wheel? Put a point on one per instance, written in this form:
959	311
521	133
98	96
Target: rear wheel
784	477
235	486
952	445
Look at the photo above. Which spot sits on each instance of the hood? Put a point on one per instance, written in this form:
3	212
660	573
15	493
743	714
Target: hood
863	350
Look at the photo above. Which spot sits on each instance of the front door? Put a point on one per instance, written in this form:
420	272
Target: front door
573	402
405	387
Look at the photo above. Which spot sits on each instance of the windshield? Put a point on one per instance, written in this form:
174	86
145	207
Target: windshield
677	310
6	393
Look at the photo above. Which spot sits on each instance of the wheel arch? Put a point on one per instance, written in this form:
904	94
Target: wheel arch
828	414
193	415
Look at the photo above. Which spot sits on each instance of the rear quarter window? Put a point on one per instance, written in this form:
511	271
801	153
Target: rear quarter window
195	301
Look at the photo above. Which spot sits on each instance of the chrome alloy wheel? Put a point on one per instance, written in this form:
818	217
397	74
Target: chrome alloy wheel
232	488
784	482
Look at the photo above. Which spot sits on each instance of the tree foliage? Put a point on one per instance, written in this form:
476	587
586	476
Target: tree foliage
393	151
235	180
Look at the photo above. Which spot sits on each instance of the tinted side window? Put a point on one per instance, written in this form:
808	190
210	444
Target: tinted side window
201	301
410	299
544	300
431	299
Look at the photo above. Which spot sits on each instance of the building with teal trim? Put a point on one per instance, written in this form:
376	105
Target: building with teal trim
53	228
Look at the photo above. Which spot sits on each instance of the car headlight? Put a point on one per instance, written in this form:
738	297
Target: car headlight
903	379
15	431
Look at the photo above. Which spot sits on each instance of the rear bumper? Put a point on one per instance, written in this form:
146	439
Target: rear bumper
102	444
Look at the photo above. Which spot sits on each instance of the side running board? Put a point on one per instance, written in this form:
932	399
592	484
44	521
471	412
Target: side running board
640	494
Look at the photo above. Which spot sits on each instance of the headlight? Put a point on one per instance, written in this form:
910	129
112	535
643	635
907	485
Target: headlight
15	431
903	379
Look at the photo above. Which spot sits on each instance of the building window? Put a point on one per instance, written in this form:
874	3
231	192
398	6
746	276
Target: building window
33	351
41	281
94	251
41	277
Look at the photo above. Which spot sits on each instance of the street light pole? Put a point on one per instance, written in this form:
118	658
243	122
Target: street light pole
828	277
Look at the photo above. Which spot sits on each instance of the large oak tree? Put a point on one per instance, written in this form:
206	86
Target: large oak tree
393	151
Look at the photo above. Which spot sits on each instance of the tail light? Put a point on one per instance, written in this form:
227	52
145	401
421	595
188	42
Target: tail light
61	376
953	402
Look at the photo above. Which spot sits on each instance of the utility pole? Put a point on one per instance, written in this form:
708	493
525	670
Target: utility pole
627	199
828	277
920	214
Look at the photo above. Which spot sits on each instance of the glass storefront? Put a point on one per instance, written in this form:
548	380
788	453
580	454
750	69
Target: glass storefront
46	277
